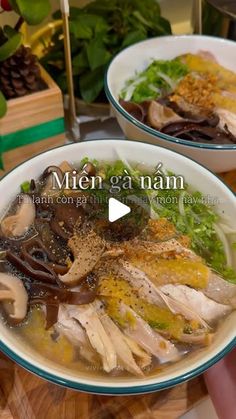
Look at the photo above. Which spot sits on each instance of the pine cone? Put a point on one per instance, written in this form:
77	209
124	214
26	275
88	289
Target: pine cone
20	74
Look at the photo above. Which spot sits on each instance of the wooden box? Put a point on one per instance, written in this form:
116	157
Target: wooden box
33	124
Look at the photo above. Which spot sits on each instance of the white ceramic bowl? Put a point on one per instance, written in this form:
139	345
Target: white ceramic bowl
196	175
136	58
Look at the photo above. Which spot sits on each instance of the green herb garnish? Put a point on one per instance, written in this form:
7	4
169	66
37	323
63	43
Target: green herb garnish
160	77
196	219
156	325
25	187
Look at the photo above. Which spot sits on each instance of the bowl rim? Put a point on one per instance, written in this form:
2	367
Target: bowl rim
99	389
127	390
141	125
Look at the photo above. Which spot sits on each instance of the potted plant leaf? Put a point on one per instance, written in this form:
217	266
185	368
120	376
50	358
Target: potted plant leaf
31	106
98	32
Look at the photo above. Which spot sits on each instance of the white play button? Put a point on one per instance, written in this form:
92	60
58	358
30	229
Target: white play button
117	210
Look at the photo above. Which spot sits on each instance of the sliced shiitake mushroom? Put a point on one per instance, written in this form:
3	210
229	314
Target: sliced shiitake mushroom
47	177
159	115
87	170
18	224
87	248
14	296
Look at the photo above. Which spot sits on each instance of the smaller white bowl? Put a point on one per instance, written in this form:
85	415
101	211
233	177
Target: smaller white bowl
218	158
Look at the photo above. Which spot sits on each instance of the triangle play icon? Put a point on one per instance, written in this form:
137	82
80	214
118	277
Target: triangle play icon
117	210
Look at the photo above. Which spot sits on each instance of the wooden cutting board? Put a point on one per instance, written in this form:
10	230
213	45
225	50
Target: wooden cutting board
25	396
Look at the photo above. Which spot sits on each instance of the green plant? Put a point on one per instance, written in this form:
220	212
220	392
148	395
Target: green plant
98	32
31	12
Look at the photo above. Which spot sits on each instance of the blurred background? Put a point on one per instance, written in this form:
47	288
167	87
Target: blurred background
178	12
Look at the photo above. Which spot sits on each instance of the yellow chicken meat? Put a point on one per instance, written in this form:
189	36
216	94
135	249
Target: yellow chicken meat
172	271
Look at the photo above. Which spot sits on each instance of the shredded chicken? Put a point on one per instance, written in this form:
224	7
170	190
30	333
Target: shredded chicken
71	328
123	351
147	290
148	339
99	339
203	306
221	291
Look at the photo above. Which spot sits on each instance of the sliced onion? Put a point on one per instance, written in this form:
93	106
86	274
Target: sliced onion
154	88
220	233
168	80
181	204
131	88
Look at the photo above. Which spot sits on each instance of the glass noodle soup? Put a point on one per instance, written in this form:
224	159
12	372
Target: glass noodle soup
191	97
129	297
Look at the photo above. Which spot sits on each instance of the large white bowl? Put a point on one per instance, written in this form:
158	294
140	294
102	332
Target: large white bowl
201	179
136	58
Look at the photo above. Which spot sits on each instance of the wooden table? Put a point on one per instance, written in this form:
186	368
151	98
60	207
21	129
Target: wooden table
25	396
